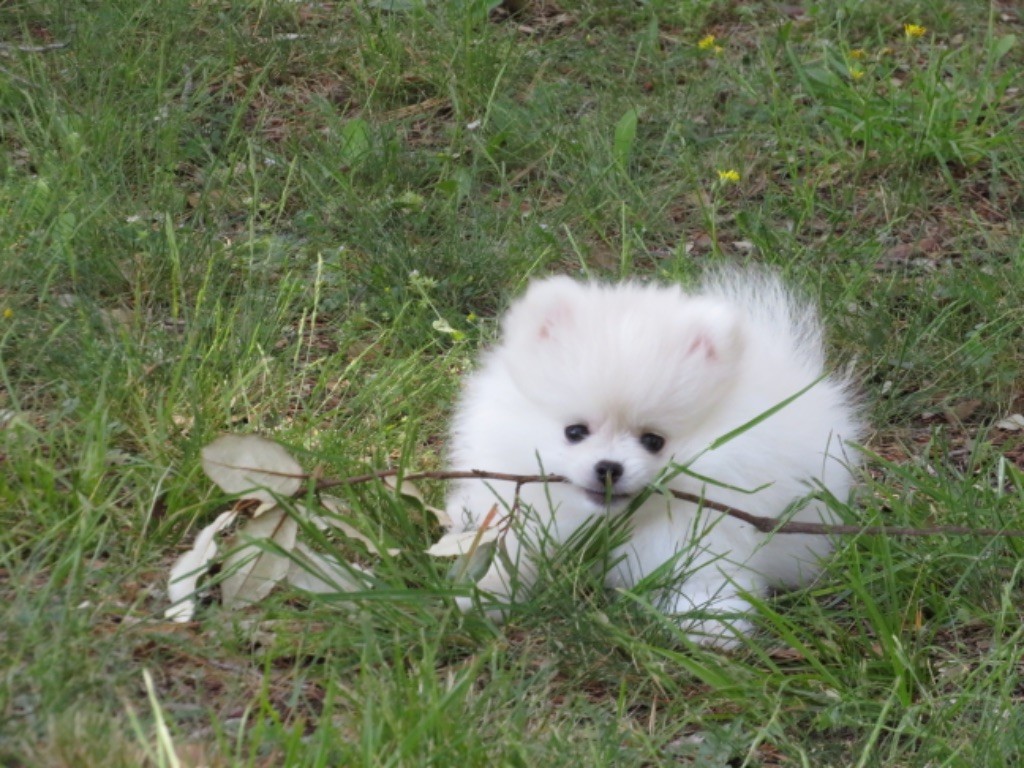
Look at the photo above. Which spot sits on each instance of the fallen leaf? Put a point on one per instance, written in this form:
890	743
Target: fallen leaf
253	569
470	568
462	543
960	412
183	423
252	467
1012	423
407	488
191	566
322	574
338	509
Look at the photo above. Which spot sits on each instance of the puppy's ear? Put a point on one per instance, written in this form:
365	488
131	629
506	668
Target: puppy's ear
712	332
543	312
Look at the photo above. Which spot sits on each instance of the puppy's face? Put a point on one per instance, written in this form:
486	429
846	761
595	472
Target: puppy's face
608	461
618	377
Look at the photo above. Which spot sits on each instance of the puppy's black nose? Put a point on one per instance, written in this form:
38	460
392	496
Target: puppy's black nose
608	472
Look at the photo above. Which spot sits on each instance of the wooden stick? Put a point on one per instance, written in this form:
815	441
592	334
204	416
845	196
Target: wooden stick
763	524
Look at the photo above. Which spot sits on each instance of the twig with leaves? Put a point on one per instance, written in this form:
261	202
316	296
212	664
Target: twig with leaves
268	547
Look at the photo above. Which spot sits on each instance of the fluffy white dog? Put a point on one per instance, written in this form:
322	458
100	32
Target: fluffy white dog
614	386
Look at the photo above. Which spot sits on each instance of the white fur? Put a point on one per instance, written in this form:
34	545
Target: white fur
629	359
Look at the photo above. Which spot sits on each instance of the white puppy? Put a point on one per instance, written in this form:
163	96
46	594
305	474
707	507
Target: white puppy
609	386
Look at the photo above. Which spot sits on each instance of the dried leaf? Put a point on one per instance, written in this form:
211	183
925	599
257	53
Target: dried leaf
253	467
338	508
322	574
960	412
191	566
407	488
1011	423
471	568
252	569
462	543
443	519
475	550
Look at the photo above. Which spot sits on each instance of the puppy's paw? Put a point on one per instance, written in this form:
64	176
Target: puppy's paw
726	634
491	593
492	609
714	616
465	603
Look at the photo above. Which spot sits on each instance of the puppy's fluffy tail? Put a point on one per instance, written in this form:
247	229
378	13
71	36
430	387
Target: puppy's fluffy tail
776	310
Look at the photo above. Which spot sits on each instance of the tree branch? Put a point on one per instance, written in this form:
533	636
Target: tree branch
763	524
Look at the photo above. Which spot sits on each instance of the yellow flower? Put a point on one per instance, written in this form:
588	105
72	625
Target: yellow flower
8	313
729	175
857	54
706	43
856	73
913	30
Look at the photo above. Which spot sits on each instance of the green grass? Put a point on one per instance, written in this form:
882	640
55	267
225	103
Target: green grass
301	219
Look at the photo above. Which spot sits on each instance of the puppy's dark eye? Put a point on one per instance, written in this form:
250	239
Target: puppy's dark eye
575	433
652	442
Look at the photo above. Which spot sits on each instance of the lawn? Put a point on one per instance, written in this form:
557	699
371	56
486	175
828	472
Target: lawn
302	219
